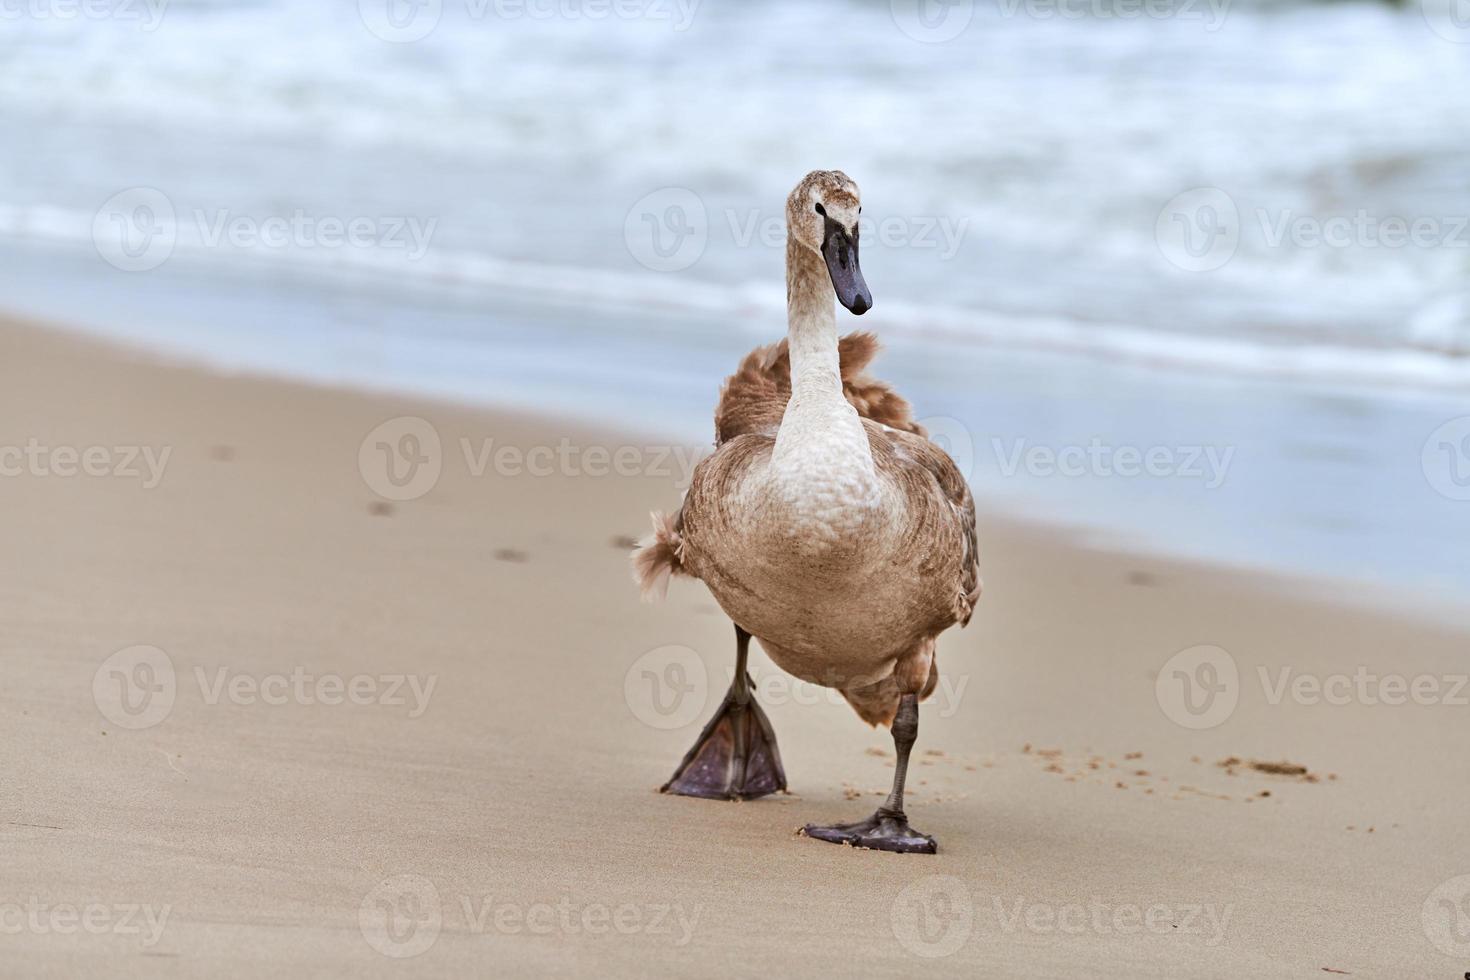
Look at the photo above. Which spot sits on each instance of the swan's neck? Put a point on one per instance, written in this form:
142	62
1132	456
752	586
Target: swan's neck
821	464
811	321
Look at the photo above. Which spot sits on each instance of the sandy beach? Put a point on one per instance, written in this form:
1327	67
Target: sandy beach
259	717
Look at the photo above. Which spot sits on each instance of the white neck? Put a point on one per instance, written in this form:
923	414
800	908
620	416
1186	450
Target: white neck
821	465
811	321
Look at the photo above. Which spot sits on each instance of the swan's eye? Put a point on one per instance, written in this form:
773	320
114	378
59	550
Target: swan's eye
821	210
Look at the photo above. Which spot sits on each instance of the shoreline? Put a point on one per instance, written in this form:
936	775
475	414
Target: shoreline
267	823
1441	606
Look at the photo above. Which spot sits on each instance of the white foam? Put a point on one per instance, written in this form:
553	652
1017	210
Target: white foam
1057	140
763	306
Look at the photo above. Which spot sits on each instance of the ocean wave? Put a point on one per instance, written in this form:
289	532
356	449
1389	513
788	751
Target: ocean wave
1061	143
1434	359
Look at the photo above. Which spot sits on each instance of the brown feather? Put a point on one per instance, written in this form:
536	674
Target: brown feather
754	398
660	556
926	461
753	402
941	524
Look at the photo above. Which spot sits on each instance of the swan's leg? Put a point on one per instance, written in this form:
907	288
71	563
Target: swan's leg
888	829
735	757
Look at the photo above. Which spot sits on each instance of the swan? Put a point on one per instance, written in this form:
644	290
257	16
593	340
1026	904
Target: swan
826	524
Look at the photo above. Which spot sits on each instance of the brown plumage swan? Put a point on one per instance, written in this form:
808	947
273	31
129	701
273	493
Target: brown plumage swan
826	524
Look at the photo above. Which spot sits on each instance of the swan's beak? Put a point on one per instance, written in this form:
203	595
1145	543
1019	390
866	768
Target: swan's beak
840	249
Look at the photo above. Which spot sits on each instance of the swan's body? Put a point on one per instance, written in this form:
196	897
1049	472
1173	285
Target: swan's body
825	523
847	547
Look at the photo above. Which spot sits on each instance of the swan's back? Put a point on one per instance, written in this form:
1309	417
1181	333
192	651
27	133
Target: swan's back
754	398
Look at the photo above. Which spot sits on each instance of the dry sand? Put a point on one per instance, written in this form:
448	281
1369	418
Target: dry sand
509	814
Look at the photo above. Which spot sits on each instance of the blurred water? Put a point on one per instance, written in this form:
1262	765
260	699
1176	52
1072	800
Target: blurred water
1346	487
1017	173
1088	227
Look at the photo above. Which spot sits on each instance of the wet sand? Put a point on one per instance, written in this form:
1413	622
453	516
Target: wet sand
259	717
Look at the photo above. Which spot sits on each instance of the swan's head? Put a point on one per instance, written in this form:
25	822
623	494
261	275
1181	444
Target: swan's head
822	215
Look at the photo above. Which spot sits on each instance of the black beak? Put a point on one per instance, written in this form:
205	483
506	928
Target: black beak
840	249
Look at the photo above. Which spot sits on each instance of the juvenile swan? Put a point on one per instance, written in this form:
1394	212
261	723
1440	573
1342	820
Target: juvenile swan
826	524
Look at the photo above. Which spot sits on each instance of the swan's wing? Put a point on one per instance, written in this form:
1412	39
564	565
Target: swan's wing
940	507
687	543
754	398
875	400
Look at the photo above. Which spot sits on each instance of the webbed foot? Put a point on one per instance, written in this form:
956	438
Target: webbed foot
735	757
885	830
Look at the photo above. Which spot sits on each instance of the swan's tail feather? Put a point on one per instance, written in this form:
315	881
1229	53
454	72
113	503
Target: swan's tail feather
659	558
